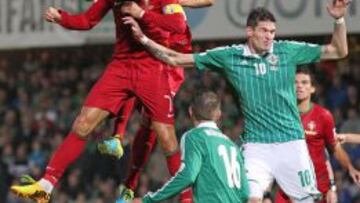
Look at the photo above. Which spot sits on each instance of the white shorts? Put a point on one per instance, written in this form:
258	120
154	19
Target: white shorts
288	163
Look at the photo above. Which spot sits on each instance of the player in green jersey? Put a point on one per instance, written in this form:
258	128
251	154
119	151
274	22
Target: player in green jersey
211	163
262	72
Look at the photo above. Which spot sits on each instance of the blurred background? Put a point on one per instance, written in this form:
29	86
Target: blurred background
46	73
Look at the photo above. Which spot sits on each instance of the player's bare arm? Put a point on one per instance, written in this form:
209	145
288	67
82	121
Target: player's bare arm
169	56
331	195
196	3
348	138
338	47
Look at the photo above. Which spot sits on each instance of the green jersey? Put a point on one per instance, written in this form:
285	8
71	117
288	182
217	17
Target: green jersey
265	86
211	164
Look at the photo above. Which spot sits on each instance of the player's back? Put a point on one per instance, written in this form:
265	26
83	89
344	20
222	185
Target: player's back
221	177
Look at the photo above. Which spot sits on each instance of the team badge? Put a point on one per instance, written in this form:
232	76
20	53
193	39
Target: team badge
311	126
273	61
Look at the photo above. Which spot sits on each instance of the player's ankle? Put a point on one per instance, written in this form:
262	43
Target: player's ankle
46	185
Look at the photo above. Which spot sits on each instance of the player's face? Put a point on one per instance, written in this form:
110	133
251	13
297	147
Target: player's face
304	88
262	36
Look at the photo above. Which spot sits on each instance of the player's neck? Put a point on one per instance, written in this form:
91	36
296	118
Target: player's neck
255	51
305	106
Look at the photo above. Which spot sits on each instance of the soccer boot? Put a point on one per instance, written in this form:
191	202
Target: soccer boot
31	191
111	147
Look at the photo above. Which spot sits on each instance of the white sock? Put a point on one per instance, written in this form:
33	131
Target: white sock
46	185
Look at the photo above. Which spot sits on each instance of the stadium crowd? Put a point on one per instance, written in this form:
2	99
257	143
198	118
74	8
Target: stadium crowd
40	90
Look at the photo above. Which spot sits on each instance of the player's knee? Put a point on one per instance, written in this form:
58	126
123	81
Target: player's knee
82	127
169	145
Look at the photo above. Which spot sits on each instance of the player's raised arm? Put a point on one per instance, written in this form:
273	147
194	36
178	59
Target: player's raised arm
338	47
81	21
196	3
169	56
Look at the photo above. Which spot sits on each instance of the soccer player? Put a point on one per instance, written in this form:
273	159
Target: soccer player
132	72
262	72
211	163
145	137
319	130
348	138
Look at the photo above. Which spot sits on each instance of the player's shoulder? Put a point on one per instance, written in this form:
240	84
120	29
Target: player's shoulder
322	111
204	133
235	48
292	43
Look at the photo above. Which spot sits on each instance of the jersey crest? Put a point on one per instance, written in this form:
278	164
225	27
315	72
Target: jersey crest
311	126
273	61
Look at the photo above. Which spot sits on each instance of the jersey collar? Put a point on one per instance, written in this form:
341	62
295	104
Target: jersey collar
248	53
207	124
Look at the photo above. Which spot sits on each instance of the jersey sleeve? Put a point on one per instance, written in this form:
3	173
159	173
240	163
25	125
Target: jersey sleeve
172	18
88	19
212	59
185	176
302	52
329	131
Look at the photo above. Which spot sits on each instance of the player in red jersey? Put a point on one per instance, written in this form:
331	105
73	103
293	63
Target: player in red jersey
319	130
145	138
133	72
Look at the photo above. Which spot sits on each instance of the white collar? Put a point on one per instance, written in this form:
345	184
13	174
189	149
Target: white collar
247	51
207	124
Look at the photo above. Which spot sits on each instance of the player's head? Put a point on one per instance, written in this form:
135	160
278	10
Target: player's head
304	82
260	30
205	107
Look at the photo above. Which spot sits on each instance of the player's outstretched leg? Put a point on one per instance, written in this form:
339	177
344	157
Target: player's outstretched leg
67	153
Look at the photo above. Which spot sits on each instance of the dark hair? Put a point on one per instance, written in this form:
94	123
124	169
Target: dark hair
259	14
204	105
306	71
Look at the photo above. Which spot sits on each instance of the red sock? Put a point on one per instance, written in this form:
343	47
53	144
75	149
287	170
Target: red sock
122	120
173	162
68	151
142	147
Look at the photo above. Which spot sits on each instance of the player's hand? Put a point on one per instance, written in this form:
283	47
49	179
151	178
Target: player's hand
338	8
331	197
355	175
135	28
52	15
342	138
132	9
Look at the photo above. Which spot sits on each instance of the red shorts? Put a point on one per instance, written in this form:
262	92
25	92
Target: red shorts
176	78
145	79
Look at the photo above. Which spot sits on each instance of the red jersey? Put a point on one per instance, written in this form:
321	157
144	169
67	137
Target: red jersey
319	130
126	46
182	43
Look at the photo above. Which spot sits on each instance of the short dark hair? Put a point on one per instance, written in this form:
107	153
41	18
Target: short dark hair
306	71
205	105
259	14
